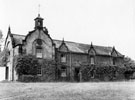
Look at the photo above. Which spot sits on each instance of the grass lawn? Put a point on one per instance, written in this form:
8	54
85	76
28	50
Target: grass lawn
68	91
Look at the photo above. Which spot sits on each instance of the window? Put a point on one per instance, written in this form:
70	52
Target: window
63	72
113	61
20	50
39	70
63	58
92	60
39	52
38	23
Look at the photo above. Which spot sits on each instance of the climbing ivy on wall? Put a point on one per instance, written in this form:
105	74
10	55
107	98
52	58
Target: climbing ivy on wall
26	65
103	72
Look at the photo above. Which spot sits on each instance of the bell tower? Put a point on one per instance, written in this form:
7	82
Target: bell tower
38	22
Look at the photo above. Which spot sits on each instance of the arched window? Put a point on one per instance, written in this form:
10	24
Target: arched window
92	60
39	49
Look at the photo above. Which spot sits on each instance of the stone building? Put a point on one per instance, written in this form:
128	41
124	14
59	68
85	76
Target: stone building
72	55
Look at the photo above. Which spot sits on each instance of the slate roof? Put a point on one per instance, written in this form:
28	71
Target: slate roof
18	38
83	48
73	46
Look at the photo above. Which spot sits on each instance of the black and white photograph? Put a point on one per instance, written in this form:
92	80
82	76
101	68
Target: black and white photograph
67	49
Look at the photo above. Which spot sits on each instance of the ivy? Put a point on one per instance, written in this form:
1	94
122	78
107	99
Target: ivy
26	65
102	72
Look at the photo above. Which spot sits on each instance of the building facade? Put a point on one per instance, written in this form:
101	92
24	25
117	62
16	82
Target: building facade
72	55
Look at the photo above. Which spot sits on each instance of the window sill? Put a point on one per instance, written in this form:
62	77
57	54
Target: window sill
39	74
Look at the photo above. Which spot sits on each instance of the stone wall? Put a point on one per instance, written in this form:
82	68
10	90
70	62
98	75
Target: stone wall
103	60
9	47
48	48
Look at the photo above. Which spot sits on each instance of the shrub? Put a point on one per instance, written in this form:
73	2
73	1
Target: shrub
28	78
102	72
26	65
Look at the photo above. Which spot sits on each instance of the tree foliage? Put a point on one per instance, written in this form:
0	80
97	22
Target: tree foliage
129	63
4	57
26	65
102	72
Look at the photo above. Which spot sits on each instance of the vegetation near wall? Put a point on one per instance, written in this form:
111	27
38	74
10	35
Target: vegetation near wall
105	72
27	69
48	70
28	65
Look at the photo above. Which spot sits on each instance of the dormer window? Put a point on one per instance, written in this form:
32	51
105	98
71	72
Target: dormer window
63	58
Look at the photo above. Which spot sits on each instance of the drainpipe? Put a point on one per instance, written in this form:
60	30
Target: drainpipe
71	74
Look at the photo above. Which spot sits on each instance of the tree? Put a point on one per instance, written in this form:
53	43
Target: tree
129	63
1	39
26	65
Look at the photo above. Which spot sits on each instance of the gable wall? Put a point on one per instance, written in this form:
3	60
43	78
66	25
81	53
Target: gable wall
48	48
9	46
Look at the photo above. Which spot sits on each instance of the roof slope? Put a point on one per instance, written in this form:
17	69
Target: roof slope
83	48
18	38
72	46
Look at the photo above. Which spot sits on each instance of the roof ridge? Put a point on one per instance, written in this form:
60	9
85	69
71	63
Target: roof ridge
84	43
71	42
18	34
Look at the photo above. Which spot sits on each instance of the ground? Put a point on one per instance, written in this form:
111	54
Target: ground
68	91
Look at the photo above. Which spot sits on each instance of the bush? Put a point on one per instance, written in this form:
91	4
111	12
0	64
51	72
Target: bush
28	78
87	72
26	65
102	72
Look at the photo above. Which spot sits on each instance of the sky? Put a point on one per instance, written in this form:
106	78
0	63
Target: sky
102	22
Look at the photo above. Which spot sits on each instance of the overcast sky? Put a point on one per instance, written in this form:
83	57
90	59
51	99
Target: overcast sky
102	22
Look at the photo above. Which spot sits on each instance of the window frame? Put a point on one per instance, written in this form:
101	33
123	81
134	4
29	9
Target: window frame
39	48
92	58
39	74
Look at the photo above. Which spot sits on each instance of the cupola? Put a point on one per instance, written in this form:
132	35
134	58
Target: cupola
38	22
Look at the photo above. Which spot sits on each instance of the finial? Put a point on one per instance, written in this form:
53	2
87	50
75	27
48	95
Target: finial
9	30
113	47
91	43
63	40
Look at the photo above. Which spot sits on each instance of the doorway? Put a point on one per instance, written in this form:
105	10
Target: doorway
6	74
77	74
